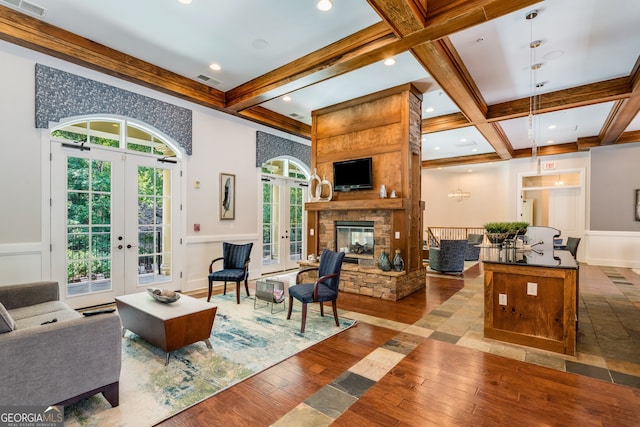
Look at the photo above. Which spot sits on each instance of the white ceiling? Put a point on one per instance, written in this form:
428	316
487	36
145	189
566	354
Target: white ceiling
583	41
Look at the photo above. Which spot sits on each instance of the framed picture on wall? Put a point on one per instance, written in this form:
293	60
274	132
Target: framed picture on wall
227	196
637	205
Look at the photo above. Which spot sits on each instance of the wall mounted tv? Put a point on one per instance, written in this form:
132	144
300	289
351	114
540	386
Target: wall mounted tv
352	175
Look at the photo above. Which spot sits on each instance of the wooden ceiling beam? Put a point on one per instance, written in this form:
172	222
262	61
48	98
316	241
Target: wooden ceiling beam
445	122
278	121
625	111
442	62
362	49
461	160
580	96
445	66
25	31
292	76
288	80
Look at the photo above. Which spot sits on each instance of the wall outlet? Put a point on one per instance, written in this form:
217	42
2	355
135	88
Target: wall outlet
532	288
311	231
502	299
397	234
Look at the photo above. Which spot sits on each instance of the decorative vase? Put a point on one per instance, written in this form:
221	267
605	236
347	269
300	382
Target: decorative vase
384	263
325	183
314	187
383	192
398	262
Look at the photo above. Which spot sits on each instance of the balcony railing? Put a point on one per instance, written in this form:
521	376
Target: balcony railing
435	234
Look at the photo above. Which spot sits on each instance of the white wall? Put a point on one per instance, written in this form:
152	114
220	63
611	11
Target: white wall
490	194
221	143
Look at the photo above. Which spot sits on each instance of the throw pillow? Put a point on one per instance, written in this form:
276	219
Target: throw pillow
7	323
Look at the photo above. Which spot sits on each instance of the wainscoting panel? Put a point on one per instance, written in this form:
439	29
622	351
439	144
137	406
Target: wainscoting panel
20	263
611	248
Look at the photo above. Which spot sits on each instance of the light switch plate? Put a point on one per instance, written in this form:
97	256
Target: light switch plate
502	299
532	288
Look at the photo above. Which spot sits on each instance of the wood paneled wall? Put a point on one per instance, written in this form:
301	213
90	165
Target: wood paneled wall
386	127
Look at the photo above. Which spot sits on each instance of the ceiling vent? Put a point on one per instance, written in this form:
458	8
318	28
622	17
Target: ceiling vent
28	7
465	144
208	80
296	116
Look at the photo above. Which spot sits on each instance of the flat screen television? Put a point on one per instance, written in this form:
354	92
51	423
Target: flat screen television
352	175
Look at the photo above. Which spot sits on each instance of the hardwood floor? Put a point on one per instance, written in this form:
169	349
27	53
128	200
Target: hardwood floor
385	374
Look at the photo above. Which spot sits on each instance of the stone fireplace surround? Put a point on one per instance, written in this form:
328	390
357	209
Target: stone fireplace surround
370	281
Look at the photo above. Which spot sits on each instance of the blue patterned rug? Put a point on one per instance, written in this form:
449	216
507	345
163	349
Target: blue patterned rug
245	341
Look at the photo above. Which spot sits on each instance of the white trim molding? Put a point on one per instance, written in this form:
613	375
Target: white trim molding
20	262
612	248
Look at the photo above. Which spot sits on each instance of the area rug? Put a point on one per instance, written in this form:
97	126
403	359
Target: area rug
245	341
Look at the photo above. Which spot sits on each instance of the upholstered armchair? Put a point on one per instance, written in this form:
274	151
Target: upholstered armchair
572	245
325	288
449	257
235	267
473	251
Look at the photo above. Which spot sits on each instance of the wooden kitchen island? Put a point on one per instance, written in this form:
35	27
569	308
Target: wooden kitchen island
531	298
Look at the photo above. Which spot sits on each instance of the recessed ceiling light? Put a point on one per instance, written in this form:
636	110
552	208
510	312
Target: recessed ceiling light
260	44
430	110
473	150
551	141
286	98
215	67
389	61
552	126
185	1
463	139
436	148
324	5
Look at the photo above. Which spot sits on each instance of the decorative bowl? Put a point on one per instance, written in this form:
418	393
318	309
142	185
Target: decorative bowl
163	295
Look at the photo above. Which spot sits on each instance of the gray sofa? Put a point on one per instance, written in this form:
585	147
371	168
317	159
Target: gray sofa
59	362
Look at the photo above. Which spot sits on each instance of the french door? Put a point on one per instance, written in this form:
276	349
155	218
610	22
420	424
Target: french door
115	223
282	224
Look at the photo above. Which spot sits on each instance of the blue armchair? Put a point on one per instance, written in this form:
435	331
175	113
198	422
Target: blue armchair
473	251
449	257
325	288
235	267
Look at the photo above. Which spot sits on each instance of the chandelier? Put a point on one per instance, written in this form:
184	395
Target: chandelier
534	99
458	195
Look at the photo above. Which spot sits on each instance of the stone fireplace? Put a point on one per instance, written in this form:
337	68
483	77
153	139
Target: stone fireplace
385	126
355	239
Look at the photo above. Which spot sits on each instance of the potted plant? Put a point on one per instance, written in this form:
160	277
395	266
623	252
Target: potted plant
520	227
497	231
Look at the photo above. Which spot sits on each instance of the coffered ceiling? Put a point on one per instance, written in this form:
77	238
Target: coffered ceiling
471	60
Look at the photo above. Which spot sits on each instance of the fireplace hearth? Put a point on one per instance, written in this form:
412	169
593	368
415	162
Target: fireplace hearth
355	239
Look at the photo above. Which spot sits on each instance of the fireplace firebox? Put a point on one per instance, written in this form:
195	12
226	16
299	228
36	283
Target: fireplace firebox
355	239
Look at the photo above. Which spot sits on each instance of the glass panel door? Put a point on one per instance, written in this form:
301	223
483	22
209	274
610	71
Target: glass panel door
282	224
86	235
118	212
154	228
